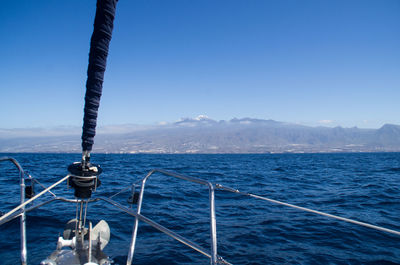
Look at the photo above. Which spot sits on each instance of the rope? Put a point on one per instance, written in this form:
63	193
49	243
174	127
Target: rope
218	186
125	189
44	187
222	261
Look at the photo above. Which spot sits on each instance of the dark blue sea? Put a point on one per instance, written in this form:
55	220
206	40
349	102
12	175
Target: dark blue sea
362	186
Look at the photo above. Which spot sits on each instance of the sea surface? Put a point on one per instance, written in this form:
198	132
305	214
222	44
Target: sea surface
362	186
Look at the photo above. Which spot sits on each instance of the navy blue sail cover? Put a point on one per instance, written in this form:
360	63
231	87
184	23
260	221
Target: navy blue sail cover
101	37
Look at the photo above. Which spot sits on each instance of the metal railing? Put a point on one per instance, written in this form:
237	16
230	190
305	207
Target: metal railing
22	214
213	226
20	211
348	220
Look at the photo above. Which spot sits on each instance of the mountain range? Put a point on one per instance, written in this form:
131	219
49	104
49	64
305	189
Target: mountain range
205	135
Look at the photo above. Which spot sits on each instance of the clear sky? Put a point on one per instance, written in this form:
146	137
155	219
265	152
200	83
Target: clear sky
310	62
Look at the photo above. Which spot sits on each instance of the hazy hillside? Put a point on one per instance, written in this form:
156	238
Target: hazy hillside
204	135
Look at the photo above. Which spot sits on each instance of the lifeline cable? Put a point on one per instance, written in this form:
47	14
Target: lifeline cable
219	186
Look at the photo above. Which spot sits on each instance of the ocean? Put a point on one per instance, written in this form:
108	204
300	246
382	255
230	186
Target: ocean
361	186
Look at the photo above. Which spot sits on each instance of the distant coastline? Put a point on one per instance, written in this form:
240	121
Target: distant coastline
206	136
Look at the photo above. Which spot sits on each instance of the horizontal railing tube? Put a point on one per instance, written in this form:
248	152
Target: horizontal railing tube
33	198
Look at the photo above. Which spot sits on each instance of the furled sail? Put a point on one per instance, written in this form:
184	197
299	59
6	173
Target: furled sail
85	175
101	37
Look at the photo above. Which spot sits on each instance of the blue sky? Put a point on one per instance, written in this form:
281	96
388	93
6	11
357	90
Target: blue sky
310	62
